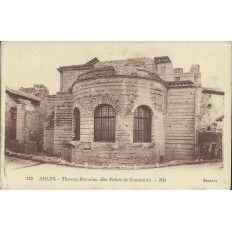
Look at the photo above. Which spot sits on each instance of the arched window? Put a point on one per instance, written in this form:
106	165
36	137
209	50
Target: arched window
104	124
76	116
142	124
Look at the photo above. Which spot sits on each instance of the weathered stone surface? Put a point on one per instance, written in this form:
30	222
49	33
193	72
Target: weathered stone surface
180	108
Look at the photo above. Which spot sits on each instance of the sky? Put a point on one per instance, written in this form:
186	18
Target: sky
28	63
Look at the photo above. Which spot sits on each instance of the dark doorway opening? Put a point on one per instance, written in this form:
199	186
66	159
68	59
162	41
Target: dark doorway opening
213	150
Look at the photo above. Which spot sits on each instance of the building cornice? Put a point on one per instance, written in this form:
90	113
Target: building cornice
74	68
88	65
179	84
213	91
133	76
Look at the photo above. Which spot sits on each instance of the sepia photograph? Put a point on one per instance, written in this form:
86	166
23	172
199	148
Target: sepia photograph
116	115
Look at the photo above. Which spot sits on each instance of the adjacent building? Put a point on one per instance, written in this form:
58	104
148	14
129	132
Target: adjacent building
25	114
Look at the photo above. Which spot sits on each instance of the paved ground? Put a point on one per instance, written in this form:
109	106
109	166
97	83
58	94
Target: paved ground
35	175
16	163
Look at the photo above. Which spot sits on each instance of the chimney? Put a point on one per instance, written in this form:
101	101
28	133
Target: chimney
195	68
163	67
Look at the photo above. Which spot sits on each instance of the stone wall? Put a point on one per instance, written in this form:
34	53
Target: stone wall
184	76
115	157
10	125
164	68
34	128
62	120
48	126
210	106
68	77
31	113
179	123
20	132
29	124
124	93
129	66
69	74
58	123
165	71
126	85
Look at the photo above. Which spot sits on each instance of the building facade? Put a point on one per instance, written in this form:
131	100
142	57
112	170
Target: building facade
124	112
25	114
129	112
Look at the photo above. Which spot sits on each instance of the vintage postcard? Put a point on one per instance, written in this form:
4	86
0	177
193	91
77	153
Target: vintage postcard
116	115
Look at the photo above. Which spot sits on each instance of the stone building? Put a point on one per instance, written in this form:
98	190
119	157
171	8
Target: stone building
37	90
124	112
129	112
25	114
209	123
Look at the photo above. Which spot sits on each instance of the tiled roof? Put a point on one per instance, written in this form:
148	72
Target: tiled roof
73	67
86	66
92	62
213	90
22	94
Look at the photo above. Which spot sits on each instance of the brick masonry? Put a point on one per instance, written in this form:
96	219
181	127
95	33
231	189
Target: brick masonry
179	122
179	107
172	97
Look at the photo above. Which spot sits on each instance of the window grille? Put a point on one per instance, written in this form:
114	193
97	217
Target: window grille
76	115
142	124
104	124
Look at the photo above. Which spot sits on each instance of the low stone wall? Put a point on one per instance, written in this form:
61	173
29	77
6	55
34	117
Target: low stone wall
117	157
59	161
111	154
14	146
27	148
